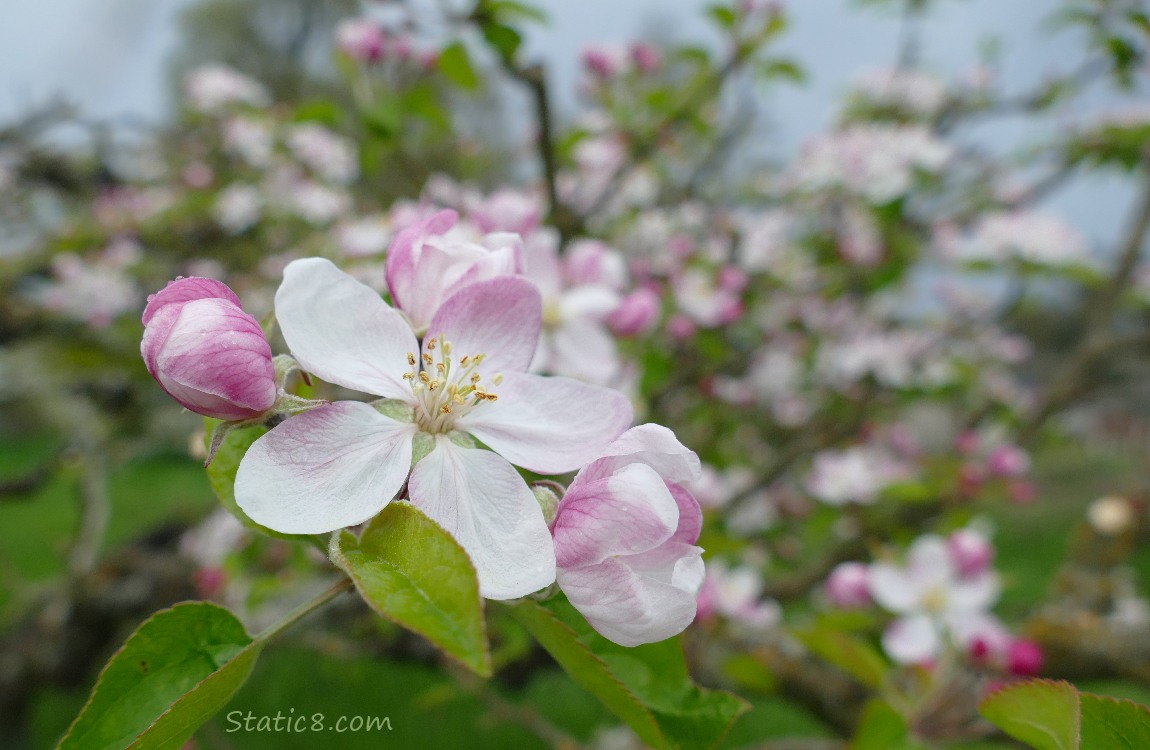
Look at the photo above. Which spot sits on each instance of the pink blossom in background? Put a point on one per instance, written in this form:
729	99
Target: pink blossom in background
340	464
624	538
848	586
206	352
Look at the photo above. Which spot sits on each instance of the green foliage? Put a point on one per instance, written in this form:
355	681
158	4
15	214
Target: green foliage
1050	715
411	571
882	728
846	651
648	686
173	674
455	65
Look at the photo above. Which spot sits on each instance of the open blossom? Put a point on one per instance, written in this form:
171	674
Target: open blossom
736	594
206	352
426	265
854	475
212	88
1025	236
625	536
340	464
577	299
934	599
360	39
909	91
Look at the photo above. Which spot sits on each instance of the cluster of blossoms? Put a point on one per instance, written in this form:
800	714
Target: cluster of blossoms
449	365
95	288
1022	236
905	91
941	598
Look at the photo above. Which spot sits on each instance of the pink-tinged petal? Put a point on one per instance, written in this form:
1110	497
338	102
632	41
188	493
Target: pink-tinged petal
505	258
483	502
342	331
690	515
912	640
499	318
630	608
928	563
650	444
549	425
583	349
326	469
893	589
212	357
630	512
186	290
541	256
404	255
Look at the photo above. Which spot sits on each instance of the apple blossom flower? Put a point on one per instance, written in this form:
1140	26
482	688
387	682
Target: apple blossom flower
735	593
933	600
1025	236
624	538
206	352
425	266
575	341
970	552
328	155
909	91
637	313
360	39
340	464
855	475
213	88
848	586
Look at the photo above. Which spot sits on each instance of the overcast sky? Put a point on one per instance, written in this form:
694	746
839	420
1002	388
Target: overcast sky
108	58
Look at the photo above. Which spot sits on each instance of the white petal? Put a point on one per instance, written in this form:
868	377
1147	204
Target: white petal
484	503
588	301
583	349
342	330
549	425
975	594
650	444
893	589
912	640
325	469
630	608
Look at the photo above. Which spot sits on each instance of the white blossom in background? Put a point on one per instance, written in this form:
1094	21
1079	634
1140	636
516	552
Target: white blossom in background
1025	236
238	207
913	92
735	593
95	289
211	89
328	155
855	475
364	237
875	162
250	139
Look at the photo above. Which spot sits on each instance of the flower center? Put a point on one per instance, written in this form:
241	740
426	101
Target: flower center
935	600
446	388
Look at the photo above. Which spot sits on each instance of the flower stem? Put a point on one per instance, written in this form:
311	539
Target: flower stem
303	610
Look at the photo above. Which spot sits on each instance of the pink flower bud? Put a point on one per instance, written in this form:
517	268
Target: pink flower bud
848	586
680	327
360	39
1008	461
206	352
637	314
646	57
1024	658
970	552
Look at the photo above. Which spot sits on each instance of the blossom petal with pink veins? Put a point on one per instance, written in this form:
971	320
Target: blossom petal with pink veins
499	318
549	425
650	444
213	358
690	515
326	469
912	640
629	607
404	253
342	330
482	501
186	290
504	259
629	512
893	589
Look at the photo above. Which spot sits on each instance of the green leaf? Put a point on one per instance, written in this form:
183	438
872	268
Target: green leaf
222	474
847	652
508	10
455	65
722	15
587	669
411	571
882	728
1113	723
654	675
1042	713
504	39
176	671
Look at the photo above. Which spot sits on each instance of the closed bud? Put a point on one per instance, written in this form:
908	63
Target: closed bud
206	352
